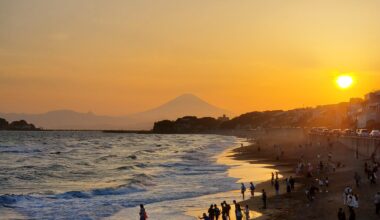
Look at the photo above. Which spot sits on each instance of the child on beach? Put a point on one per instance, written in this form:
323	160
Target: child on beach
205	217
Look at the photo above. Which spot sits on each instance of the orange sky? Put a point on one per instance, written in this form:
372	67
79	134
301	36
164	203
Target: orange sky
128	56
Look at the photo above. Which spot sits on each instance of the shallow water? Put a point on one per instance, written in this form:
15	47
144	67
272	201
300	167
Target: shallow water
94	175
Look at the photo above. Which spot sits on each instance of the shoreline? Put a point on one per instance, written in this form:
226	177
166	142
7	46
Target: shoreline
238	169
295	205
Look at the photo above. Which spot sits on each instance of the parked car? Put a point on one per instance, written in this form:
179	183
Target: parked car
326	131
335	132
375	133
362	132
348	132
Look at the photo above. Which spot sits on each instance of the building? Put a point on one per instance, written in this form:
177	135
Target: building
223	118
370	114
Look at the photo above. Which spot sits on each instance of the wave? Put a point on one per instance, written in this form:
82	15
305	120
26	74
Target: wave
26	151
9	199
130	167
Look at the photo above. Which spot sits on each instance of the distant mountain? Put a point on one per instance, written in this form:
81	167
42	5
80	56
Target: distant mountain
67	119
183	105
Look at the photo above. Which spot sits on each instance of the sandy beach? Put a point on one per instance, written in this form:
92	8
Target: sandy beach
295	205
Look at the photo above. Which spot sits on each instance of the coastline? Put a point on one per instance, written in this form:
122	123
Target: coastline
295	205
246	163
244	171
240	169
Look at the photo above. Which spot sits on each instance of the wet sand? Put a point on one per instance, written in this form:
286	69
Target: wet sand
295	205
244	171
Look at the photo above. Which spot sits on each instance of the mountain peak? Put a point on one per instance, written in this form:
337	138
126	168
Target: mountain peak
187	97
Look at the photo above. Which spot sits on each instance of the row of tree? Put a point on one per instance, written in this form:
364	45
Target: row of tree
333	116
16	125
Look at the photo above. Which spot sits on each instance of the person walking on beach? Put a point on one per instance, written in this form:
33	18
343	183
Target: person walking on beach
264	198
216	212
142	213
272	180
377	202
277	187
211	212
252	188
243	189
246	212
341	214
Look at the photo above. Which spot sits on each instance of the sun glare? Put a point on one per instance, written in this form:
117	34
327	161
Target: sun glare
344	81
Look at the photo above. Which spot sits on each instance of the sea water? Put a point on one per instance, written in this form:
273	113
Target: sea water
95	175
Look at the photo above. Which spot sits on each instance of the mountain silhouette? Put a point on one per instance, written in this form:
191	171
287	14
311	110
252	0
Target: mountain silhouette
183	105
68	119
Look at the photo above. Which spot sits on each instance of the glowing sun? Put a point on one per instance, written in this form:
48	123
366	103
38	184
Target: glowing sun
344	81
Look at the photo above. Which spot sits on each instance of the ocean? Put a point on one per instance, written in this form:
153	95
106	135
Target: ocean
95	175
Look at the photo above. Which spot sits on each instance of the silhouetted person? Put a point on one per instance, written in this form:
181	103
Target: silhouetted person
211	212
341	214
252	188
357	179
239	213
216	212
228	209
377	202
292	182
277	186
272	180
352	215
236	206
264	198
288	188
142	213
243	189
246	212
224	211
205	217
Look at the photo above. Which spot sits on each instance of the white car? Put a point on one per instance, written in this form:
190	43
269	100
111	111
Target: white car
362	133
375	133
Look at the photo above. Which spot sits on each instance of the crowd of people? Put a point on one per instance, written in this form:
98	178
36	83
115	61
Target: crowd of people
214	212
319	183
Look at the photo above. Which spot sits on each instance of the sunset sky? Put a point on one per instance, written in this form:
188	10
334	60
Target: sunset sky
119	57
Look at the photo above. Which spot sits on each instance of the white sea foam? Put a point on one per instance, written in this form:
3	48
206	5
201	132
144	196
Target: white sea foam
94	175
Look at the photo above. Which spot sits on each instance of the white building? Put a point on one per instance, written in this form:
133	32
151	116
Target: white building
371	110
